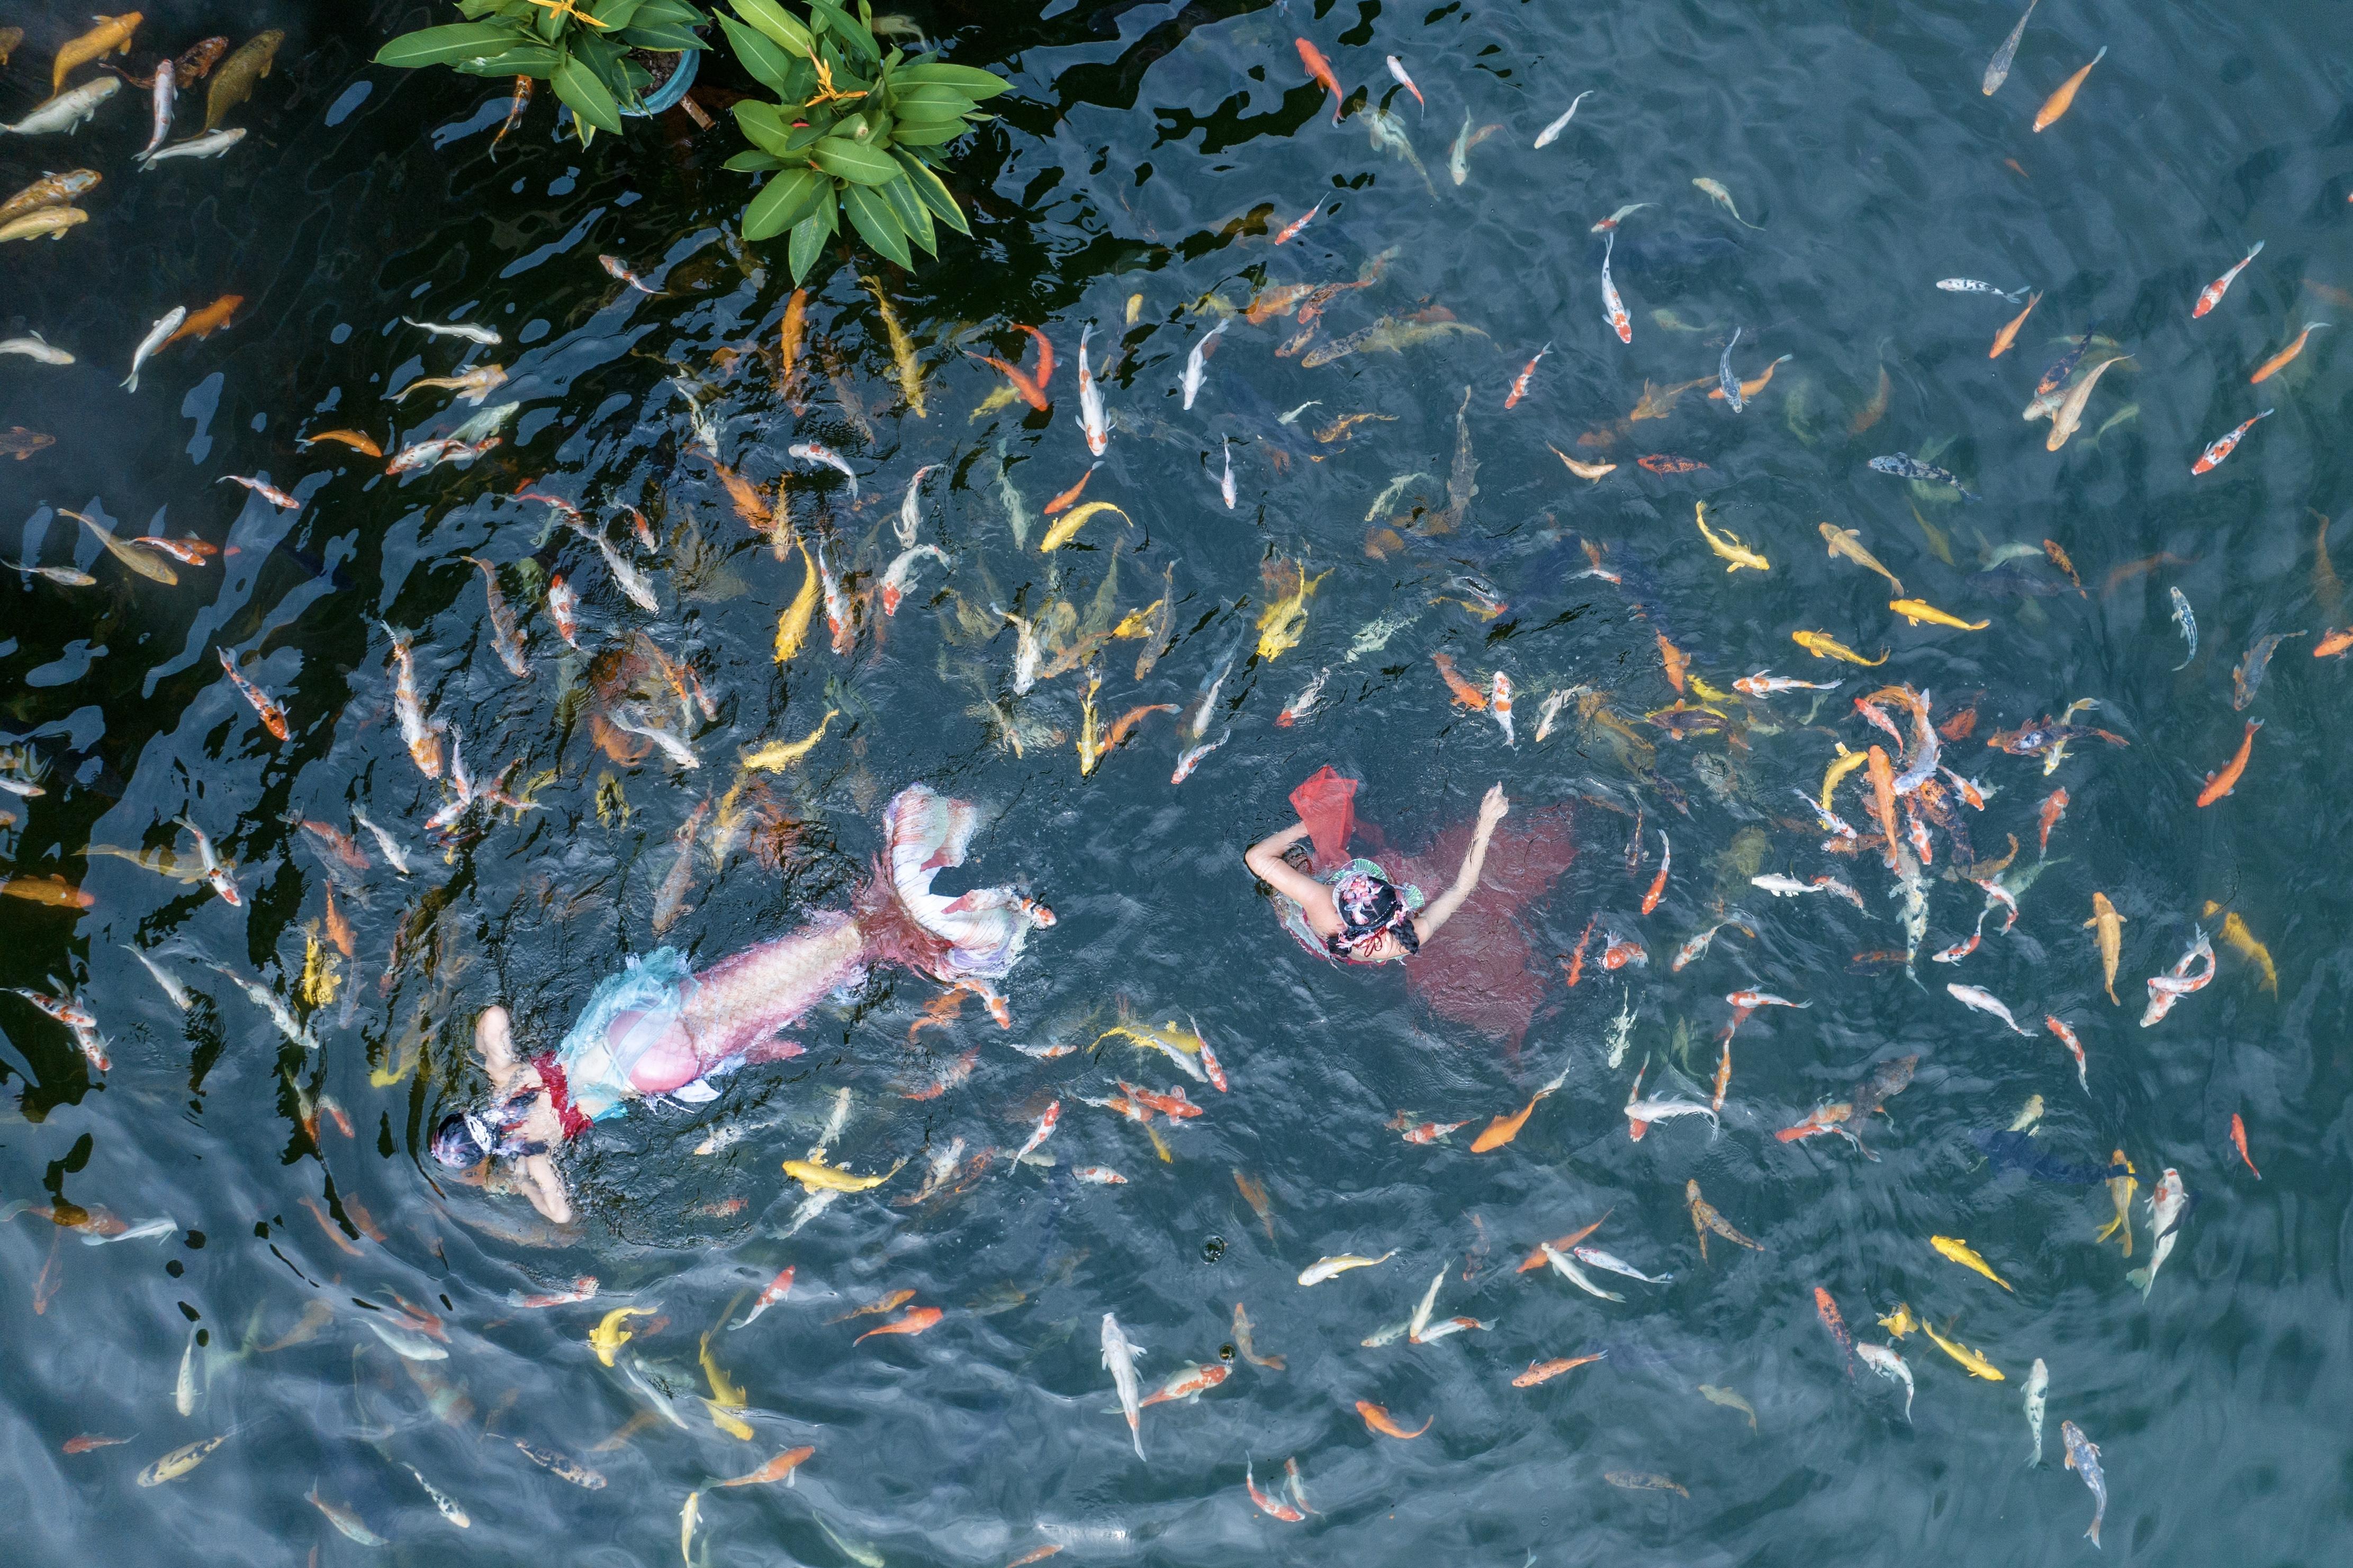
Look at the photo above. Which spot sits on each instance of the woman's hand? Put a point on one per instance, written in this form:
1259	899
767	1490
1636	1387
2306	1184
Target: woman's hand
1493	809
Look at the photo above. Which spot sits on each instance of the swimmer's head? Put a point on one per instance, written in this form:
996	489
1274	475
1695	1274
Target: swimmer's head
461	1140
1369	908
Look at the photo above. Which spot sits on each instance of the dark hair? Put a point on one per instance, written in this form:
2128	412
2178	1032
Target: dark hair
1369	907
457	1142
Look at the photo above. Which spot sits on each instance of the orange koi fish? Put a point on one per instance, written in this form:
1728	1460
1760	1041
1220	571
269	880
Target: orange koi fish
1320	69
1032	387
273	716
1659	884
914	1322
1674	660
2222	784
1623	951
1273	1508
1537	1259
2060	102
2333	644
204	323
1546	1370
2008	334
1378	1420
2239	1141
1575	964
2058	1026
2223	446
1465	694
363	444
2212	295
1829	1312
2279	361
1668	463
1520	383
2054	807
1191	1382
1290	230
775	1469
1882	800
1069	498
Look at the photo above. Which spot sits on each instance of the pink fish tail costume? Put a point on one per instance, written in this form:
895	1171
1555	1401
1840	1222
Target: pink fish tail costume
661	1028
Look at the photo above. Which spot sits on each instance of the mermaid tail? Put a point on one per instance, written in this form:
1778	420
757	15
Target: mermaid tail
660	1028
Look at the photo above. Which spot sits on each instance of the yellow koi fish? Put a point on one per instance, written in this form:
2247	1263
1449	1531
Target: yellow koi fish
2120	1193
1078	517
2110	934
1821	644
1848	542
792	625
1729	545
1845	763
1899	1322
1977	1364
777	755
816	1175
1961	1253
1919	610
903	351
2242	941
1282	623
608	1336
110	35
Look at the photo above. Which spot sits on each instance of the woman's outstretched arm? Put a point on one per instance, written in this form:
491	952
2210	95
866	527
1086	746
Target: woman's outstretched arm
1491	811
1265	860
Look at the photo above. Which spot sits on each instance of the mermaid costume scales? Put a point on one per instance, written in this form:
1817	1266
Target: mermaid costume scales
733	1013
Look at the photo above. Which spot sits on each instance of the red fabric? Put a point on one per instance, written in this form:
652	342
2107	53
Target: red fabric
1328	805
559	1094
1477	971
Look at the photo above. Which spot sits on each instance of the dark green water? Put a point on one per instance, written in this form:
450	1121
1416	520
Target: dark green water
1142	165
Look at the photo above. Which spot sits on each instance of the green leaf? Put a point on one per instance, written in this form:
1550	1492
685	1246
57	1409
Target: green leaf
589	97
858	41
615	13
448	46
677	13
531	58
969	80
764	124
857	161
930	191
810	235
753	161
767	62
778	23
871	215
784	202
906	96
909	209
928	132
664	35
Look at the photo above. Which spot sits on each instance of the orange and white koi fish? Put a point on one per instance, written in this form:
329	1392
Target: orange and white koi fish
506	637
2279	361
1465	694
1190	1383
1300	706
901	573
1189	760
1764	685
619	271
1546	1370
1397	69
267	492
273	716
1499	706
221	874
1320	69
2054	807
1092	419
2074	1047
1430	1132
423	741
1622	951
1290	230
2059	102
1045	1129
2219	785
1658	883
1749	1001
1613	309
442	449
1827	1310
2223	446
2009	333
1273	1508
1099	1176
563	607
838	613
582	1289
2212	295
1520	383
187	551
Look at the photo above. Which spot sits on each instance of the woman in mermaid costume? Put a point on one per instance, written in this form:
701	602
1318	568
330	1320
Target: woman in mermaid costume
660	1028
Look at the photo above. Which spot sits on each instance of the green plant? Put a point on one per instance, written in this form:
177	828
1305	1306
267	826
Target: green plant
582	46
855	131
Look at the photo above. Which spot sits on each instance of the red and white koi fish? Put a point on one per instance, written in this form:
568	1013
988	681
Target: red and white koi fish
1499	705
76	1019
582	1289
433	453
1045	1129
1614	219
1837	826
1292	229
1658	883
2223	446
1614	309
1092	419
2074	1047
267	492
273	716
1622	951
1190	1383
1520	383
838	617
564	606
1763	685
2165	989
896	581
187	551
506	637
1696	948
2212	295
1100	1176
772	1293
1749	1001
1300	706
423	741
819	452
1191	759
1431	1132
2054	807
1272	1507
621	273
221	874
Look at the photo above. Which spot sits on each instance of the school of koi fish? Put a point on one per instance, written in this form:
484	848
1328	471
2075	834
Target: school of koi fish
789	484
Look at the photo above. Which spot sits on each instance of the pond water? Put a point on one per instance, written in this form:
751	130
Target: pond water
341	1311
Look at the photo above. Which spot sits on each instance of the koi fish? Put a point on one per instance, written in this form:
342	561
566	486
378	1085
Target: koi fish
816	1175
912	1323
1499	708
1397	69
1614	219
1827	1310
2333	644
273	716
1704	1218
1668	463
1904	466
1729	545
2084	1459
1273	1507
1330	1268
1613	309
1541	1372
1290	231
1821	644
2247	676
619	272
2009	333
1976	1366
1380	1420
2219	785
2120	1193
2166	1206
1659	884
2059	102
1714	192
1520	385
1919	611
2223	445
1119	1354
1465	694
2212	295
818	452
1190	1383
1092	420
1319	70
1986	1001
1641	1481
1848	542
